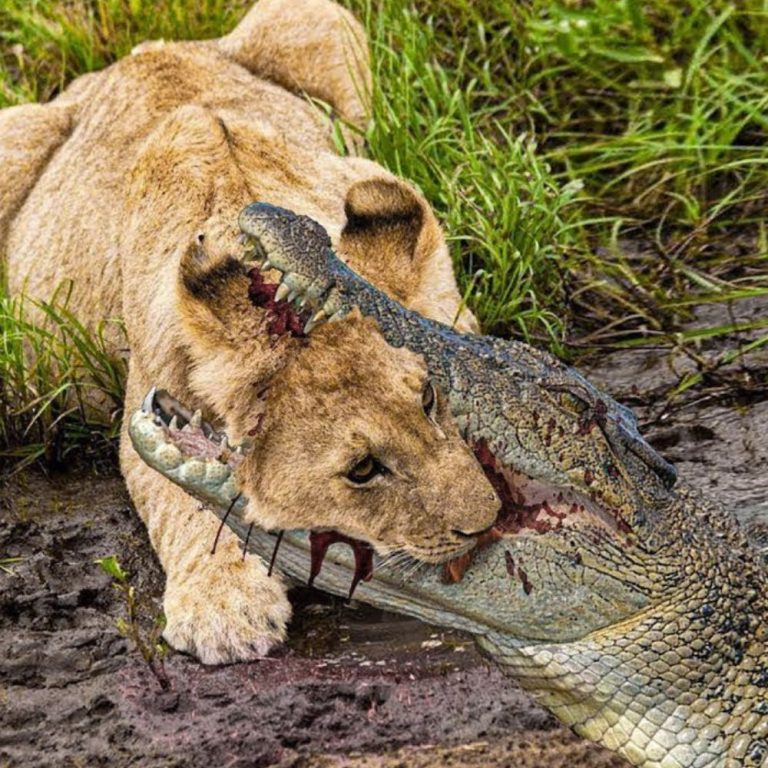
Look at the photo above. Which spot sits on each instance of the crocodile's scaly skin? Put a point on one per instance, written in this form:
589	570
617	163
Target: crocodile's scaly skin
649	636
677	673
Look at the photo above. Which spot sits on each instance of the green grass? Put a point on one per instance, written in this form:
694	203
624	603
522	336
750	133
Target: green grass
44	44
601	167
52	371
656	111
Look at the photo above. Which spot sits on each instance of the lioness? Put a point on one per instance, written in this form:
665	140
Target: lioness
130	184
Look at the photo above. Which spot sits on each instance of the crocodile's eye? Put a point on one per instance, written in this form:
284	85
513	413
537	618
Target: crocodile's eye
574	403
429	399
365	470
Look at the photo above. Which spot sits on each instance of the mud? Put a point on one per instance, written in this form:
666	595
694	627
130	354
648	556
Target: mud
353	687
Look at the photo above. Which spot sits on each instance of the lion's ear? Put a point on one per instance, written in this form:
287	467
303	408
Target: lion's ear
389	229
383	210
213	295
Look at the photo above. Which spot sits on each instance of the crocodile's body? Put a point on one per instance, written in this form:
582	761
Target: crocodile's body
636	613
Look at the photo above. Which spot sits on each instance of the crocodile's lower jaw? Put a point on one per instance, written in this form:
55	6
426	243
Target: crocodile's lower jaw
189	452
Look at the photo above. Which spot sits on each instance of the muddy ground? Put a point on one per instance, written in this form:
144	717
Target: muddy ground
354	687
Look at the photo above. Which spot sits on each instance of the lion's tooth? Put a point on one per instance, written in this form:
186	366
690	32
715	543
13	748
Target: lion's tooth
174	423
282	292
197	419
266	265
292	296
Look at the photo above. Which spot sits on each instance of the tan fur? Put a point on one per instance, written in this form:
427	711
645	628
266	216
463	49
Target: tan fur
130	184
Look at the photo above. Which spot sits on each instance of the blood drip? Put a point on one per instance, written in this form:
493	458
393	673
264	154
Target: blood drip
454	570
320	541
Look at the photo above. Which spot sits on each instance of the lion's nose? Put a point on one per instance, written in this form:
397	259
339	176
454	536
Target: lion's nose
470	534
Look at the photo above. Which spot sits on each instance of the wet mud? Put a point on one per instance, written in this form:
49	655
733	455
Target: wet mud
353	687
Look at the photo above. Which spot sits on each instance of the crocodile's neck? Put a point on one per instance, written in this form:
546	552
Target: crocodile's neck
686	682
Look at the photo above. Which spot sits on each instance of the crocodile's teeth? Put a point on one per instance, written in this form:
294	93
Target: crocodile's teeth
316	319
292	295
282	292
332	303
148	405
197	419
336	316
266	265
174	423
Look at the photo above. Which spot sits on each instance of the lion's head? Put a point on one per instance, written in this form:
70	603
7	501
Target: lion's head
344	432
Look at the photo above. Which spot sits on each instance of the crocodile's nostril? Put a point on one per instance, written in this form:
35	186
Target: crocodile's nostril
470	534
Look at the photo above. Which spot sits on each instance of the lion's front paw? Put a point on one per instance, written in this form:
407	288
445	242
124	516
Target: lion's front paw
225	612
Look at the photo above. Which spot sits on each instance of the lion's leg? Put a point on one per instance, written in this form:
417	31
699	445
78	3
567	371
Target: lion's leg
311	46
218	606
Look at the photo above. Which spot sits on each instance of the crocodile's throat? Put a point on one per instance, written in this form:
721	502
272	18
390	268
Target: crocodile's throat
682	682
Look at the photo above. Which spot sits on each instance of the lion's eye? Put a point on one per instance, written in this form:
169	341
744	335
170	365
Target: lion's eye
428	399
366	469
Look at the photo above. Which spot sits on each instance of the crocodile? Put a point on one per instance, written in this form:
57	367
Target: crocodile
635	609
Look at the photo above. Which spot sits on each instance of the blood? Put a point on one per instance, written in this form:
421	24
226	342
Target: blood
598	418
454	570
256	428
514	515
282	316
488	462
524	580
319	542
